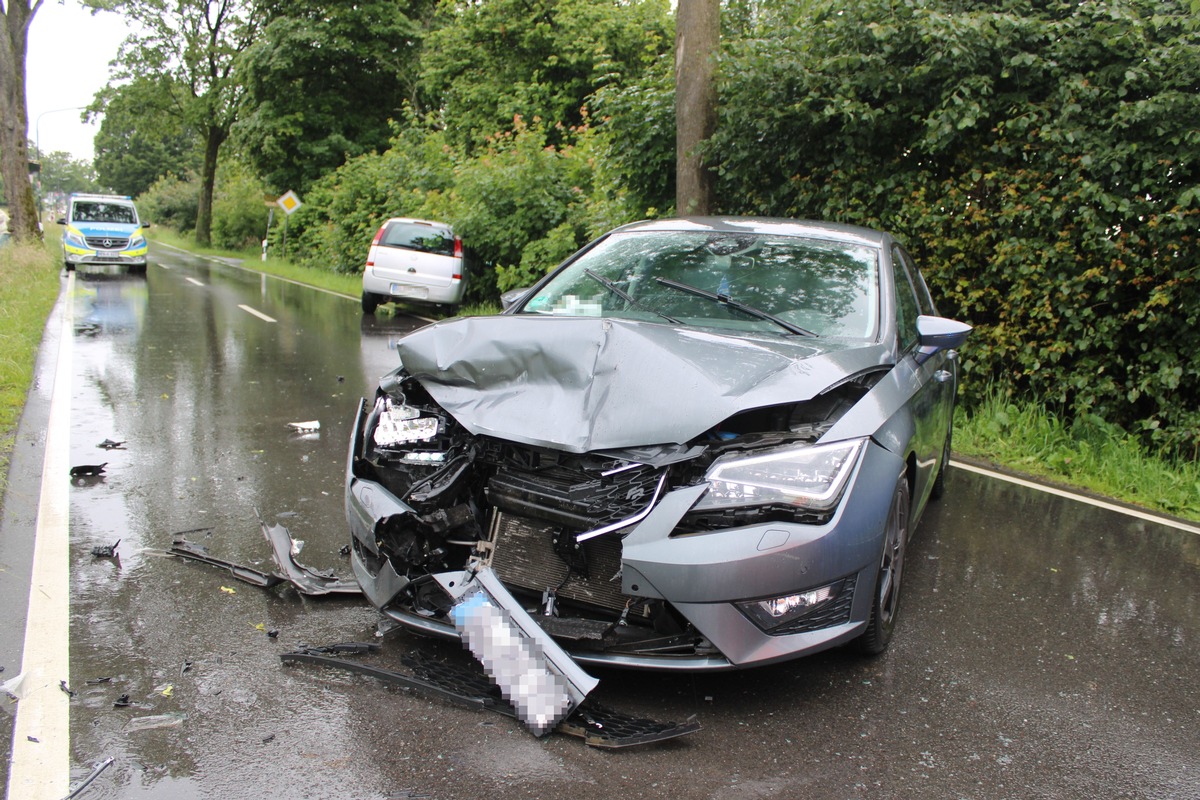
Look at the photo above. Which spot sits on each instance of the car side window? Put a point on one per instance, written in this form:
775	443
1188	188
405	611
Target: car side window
907	307
924	299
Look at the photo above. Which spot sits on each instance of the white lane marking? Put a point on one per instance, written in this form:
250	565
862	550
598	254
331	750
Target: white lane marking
256	313
193	280
1082	498
40	765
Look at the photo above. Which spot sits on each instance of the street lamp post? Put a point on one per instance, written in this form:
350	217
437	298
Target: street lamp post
37	126
37	145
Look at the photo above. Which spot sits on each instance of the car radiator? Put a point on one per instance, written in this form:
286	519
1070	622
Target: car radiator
524	556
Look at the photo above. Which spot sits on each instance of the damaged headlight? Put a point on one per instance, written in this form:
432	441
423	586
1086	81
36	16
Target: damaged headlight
810	477
402	424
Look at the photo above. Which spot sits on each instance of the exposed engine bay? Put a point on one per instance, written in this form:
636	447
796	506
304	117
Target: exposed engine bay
549	522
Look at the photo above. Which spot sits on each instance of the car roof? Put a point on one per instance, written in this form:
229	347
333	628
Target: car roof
787	227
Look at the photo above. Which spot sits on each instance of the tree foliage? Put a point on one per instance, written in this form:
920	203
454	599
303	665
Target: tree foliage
61	174
143	135
486	63
322	82
194	44
1039	156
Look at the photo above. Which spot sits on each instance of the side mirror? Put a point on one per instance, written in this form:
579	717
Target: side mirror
61	220
935	334
512	297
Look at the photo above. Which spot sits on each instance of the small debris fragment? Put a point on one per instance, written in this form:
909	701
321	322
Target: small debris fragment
98	681
310	425
168	690
156	721
341	378
270	737
33	739
228	590
109	444
63	685
185	667
122	702
106	550
85	470
345	551
273	633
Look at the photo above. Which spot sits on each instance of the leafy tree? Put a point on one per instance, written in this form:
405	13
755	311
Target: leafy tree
144	134
14	121
62	174
194	44
322	82
489	62
1039	155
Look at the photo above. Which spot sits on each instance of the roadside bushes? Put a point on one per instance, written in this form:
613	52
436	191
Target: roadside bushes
1037	156
520	205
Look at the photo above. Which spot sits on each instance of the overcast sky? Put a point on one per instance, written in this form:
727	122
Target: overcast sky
67	63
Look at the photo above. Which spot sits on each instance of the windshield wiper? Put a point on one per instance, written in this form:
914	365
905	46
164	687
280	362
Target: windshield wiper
726	300
621	293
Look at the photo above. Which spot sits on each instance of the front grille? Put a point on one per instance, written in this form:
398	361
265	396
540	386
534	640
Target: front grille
580	492
524	557
108	242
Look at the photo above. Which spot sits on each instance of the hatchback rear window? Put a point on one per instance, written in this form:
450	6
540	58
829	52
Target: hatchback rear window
423	238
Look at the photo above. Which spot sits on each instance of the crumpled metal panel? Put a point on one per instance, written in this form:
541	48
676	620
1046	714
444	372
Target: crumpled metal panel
583	384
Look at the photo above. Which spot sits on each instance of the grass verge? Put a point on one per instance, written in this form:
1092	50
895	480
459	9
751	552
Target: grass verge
1087	453
28	288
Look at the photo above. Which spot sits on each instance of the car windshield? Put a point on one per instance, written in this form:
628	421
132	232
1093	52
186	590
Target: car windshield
104	212
825	287
415	236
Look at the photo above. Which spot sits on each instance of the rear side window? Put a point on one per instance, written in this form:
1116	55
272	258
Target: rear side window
422	238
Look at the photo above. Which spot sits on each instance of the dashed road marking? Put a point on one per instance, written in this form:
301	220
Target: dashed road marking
256	313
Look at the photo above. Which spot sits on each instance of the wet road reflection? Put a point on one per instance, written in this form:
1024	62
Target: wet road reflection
1047	649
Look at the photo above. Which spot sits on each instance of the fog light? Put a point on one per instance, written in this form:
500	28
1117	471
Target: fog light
776	612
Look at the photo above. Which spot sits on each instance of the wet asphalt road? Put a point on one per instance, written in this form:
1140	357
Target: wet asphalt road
1047	649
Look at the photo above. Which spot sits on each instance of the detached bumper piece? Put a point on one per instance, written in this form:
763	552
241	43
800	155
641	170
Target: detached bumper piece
534	674
306	580
468	686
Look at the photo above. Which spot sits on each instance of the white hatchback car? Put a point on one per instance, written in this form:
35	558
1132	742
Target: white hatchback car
414	260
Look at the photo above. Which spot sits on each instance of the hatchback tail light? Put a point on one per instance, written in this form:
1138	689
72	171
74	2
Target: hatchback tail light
458	247
378	235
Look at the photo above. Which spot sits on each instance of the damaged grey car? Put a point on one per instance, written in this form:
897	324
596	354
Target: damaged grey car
698	444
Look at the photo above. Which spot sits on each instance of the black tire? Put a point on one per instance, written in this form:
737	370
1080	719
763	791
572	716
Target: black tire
370	302
939	483
885	600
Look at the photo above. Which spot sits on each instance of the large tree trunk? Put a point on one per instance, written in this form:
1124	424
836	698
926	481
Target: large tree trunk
213	139
14	122
697	37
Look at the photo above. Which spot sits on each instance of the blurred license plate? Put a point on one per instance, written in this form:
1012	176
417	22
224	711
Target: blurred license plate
401	290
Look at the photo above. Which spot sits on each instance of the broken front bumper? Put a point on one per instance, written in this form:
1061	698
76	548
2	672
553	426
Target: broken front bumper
703	575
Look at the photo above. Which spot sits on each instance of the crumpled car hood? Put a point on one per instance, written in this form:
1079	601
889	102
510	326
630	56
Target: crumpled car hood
583	383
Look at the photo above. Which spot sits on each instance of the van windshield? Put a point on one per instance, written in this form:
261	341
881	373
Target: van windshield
104	212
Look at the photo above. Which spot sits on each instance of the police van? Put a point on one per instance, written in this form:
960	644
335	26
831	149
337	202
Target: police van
103	229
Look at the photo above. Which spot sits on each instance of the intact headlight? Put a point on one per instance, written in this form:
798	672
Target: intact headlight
75	238
808	477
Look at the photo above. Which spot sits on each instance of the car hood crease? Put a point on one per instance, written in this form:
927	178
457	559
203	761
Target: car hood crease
527	379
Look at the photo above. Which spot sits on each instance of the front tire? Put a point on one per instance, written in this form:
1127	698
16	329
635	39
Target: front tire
885	603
